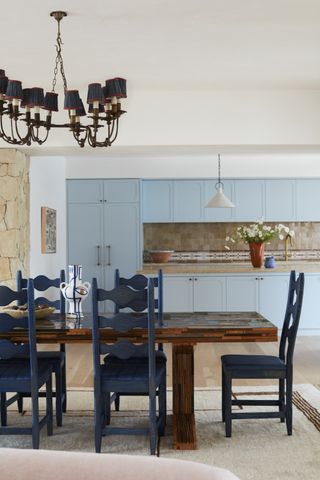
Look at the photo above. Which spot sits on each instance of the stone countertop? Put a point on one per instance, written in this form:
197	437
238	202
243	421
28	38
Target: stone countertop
232	267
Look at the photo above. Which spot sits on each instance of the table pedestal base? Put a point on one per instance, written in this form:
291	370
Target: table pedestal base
184	429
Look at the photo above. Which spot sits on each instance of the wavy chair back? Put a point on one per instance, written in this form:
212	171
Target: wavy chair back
121	323
10	349
291	318
43	283
140	282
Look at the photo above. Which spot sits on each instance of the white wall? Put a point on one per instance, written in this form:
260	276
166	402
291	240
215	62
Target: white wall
47	189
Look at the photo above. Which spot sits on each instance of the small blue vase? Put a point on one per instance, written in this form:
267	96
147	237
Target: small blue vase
270	262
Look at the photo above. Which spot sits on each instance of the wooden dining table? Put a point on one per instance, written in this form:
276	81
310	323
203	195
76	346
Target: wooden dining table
183	331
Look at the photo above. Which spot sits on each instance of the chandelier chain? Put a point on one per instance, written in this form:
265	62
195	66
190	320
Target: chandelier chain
59	61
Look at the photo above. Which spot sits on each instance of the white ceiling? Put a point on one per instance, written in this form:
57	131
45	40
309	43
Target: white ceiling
166	45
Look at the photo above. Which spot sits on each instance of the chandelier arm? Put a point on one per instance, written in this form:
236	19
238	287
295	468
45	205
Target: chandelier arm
26	139
81	141
117	130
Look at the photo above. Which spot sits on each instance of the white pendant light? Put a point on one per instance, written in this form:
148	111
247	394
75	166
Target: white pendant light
219	200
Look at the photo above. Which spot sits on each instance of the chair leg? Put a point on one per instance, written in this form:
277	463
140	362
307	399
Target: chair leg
35	421
20	403
281	398
117	402
97	422
107	409
3	404
49	406
228	404
64	379
59	408
153	424
162	408
289	404
223	393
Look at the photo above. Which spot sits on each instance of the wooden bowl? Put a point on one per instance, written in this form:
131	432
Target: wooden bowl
160	256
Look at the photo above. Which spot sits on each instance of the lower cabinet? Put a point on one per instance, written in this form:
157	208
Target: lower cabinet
266	294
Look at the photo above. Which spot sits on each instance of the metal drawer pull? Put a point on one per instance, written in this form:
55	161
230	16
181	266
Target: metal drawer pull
98	247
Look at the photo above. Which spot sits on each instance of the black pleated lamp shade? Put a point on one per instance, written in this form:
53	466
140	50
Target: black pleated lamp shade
113	88
72	100
36	97
3	82
51	101
95	93
26	97
101	108
81	111
123	86
14	90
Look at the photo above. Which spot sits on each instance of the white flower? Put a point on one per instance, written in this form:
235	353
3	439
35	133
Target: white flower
227	239
281	237
291	233
226	247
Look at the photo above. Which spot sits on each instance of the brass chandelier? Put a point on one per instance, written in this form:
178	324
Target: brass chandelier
20	118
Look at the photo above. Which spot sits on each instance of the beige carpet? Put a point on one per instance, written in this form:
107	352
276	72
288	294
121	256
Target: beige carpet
258	449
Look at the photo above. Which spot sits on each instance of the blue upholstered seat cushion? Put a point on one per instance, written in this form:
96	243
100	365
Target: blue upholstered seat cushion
131	376
15	375
253	363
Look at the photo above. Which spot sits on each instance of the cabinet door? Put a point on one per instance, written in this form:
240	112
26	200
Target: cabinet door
310	317
218	214
308	200
85	243
249	200
177	294
157	201
85	191
121	240
188	201
121	191
208	294
280	200
273	293
242	294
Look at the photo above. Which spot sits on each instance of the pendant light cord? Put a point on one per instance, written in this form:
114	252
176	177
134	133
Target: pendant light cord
219	183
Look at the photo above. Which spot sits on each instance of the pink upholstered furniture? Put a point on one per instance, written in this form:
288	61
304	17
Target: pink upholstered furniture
18	464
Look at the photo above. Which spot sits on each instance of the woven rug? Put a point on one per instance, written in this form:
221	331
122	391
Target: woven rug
258	449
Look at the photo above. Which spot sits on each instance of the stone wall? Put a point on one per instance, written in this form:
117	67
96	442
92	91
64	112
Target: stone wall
14	215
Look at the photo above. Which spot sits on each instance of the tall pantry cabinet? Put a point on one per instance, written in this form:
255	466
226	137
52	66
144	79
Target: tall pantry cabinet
104	229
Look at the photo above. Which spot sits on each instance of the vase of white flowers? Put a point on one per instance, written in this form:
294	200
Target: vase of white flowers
256	235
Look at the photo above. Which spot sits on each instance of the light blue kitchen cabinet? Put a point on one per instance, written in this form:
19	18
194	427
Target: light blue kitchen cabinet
188	201
280	200
273	293
308	200
218	214
310	313
121	191
209	293
177	293
157	201
242	293
103	236
193	293
85	191
249	200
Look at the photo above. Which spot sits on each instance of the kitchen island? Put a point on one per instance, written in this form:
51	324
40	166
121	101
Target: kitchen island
237	286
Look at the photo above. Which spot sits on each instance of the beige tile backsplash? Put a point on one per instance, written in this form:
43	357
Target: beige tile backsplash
211	236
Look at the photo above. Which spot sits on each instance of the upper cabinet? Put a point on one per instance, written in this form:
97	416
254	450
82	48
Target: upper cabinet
188	201
280	200
273	200
157	201
103	191
249	200
308	200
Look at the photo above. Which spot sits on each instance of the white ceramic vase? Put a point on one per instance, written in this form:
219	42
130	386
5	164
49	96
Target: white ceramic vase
75	291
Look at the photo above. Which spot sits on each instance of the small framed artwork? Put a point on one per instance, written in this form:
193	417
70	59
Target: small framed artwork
48	230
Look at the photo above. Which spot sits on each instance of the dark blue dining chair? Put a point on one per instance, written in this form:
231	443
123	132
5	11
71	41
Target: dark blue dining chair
20	369
266	366
140	282
56	358
147	376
